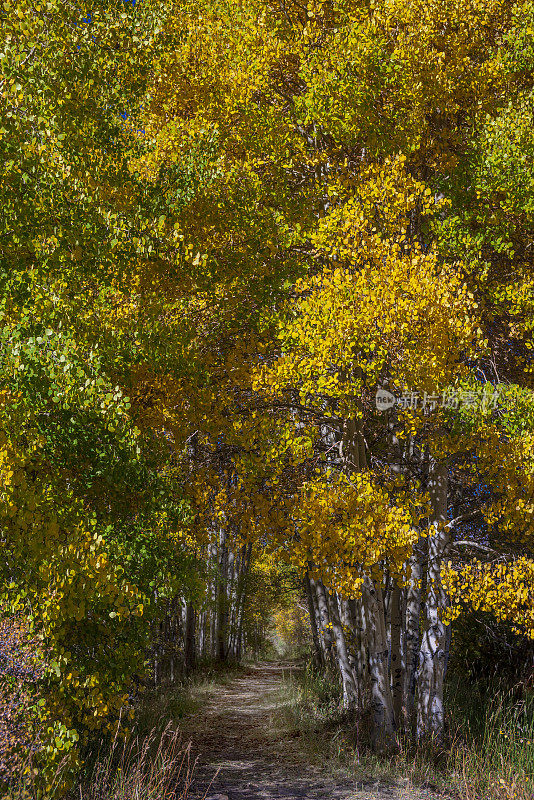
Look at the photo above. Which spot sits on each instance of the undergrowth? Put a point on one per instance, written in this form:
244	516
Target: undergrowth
488	753
153	762
494	754
158	766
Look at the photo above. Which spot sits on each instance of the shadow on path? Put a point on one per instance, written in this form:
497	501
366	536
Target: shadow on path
234	733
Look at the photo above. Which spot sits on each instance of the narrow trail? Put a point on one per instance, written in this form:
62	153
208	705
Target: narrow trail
236	733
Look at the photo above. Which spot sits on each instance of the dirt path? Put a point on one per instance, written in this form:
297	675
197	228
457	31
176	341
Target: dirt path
235	732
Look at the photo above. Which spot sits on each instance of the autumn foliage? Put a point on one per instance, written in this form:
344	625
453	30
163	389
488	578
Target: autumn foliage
225	226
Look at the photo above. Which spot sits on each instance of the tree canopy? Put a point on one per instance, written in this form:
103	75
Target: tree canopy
227	230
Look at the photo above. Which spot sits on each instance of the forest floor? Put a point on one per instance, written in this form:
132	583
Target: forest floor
245	752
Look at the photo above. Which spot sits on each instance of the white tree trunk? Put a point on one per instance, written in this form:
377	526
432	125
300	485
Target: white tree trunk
381	697
397	676
314	625
432	656
348	620
350	696
324	618
412	639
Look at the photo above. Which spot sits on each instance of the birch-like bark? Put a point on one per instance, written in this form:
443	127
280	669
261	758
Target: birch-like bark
361	675
320	632
246	553
324	618
189	638
381	697
318	653
432	656
412	637
346	611
222	614
397	687
201	634
213	598
350	696
231	600
364	675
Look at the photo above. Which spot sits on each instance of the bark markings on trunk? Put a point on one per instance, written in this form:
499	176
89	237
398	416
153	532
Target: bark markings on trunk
350	696
324	617
381	697
397	688
189	643
412	637
318	653
432	655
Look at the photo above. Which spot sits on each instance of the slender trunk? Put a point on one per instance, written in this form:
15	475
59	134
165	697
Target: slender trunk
242	597
201	633
395	616
213	604
413	633
189	638
320	633
381	697
354	609
364	642
318	655
432	656
232	601
350	697
324	618
222	611
351	635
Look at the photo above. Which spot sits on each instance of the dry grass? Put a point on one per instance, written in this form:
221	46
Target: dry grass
489	754
494	757
157	767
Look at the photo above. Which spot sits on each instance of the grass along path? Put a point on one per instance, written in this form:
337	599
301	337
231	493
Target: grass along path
238	737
